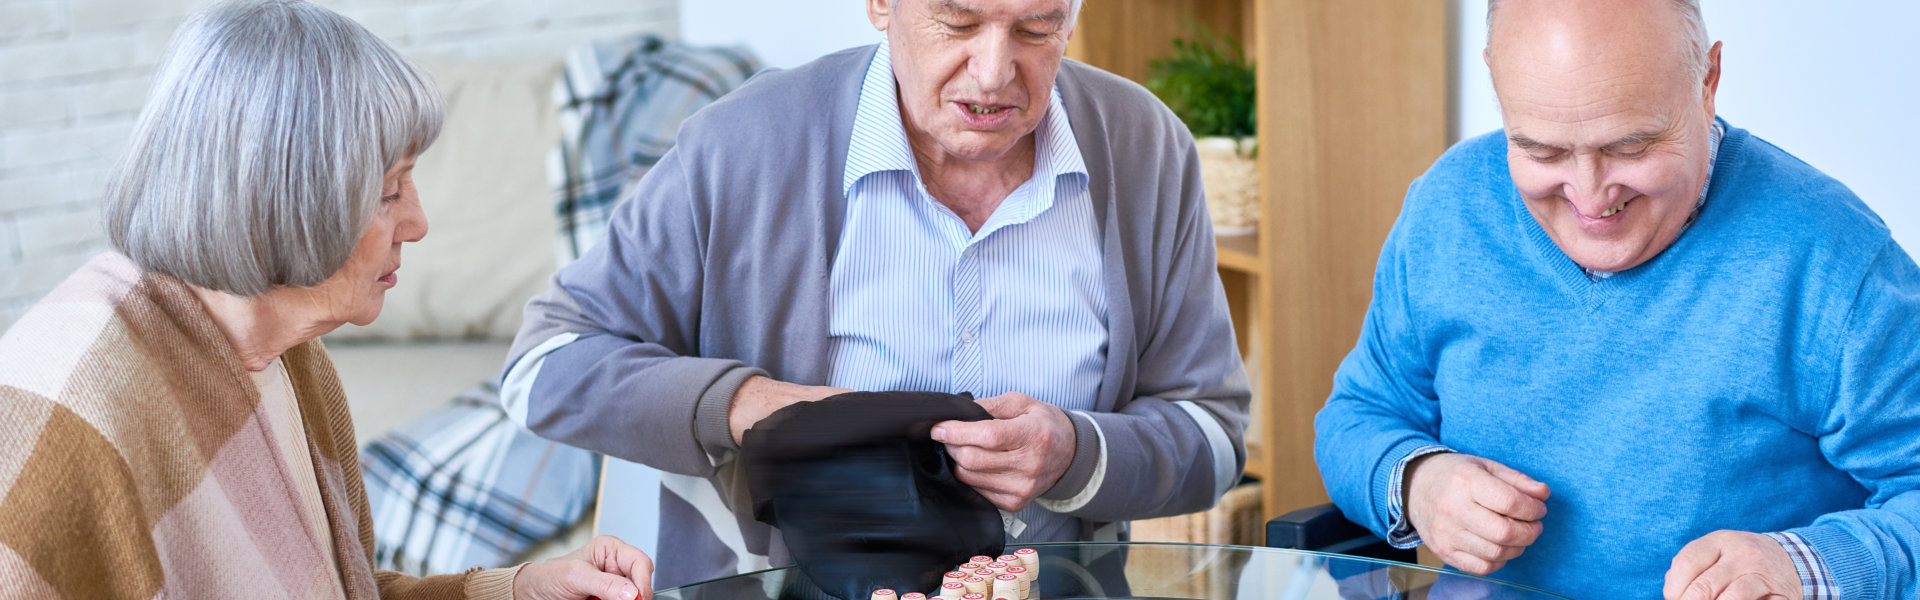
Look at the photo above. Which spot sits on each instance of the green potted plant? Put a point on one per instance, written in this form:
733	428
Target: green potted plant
1209	84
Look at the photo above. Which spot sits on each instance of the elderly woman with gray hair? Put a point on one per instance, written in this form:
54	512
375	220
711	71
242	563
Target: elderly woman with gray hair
171	423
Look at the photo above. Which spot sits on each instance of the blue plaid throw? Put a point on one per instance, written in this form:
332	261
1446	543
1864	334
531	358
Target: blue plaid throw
465	486
621	103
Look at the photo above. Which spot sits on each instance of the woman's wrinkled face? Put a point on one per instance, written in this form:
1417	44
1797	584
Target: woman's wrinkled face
356	293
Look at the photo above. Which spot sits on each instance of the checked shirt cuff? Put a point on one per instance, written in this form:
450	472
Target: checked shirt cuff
1816	580
1400	533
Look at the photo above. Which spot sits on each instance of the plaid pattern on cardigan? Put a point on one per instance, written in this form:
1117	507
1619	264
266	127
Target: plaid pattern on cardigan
135	462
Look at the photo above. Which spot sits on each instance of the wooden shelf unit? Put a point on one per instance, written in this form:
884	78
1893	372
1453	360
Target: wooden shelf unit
1240	253
1353	106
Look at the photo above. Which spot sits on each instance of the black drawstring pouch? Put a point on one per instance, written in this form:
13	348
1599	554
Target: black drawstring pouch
863	496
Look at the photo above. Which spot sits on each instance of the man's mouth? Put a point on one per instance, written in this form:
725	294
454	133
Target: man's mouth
1609	212
1615	209
985	109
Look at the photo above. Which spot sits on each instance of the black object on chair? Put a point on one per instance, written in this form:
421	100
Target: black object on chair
1324	529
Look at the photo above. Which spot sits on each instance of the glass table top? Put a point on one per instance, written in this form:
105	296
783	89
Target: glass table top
1167	571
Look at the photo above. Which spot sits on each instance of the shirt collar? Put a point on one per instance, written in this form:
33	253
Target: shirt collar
1714	135
879	141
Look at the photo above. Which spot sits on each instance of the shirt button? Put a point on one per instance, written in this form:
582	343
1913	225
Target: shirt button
966	337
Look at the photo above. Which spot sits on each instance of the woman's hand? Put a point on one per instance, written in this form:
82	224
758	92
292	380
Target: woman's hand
605	568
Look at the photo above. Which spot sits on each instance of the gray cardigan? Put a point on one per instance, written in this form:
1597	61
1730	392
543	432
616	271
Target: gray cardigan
717	267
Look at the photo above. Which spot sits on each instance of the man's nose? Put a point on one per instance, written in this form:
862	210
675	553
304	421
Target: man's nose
1587	187
991	64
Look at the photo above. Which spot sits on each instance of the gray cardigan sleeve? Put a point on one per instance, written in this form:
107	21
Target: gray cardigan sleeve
1178	443
610	347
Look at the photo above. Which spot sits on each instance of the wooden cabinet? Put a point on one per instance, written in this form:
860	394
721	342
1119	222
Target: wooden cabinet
1353	106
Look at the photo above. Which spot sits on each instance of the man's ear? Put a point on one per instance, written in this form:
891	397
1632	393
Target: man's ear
879	12
1711	86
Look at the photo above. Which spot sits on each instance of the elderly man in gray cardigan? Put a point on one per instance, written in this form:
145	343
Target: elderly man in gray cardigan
957	209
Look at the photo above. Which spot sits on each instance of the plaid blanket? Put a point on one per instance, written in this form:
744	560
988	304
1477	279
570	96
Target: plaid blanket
621	103
465	485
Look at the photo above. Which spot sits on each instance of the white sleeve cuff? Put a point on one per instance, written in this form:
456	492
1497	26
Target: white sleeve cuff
1093	483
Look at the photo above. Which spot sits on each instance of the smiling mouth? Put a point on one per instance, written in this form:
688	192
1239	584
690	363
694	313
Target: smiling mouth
1611	210
985	109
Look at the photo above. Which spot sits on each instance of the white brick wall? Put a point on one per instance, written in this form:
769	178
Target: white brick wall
74	73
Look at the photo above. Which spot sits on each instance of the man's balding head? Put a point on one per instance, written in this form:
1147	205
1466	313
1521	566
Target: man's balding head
1608	106
1694	31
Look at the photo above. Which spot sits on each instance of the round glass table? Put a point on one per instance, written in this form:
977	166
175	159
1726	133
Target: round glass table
1167	571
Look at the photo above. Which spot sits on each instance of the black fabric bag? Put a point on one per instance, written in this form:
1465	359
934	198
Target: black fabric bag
863	496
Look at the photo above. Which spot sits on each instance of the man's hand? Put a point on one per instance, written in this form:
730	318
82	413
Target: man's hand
1011	459
759	396
1732	565
605	568
1474	513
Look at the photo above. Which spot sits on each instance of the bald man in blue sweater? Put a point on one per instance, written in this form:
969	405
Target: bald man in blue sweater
1623	349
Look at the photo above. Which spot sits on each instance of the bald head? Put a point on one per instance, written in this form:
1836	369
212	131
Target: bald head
1679	20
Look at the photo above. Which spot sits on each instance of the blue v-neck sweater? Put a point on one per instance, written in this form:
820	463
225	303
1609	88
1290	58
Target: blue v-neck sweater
1762	374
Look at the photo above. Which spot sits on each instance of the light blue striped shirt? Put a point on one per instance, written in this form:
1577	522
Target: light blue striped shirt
920	303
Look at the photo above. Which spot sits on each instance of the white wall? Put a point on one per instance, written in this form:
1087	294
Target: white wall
784	33
1835	83
74	74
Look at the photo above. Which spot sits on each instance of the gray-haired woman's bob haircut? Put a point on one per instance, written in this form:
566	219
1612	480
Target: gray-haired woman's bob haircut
258	160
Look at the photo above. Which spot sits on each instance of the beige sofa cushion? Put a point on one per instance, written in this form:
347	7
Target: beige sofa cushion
489	245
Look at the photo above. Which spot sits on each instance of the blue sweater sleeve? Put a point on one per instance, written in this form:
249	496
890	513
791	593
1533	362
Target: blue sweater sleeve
1383	406
1869	431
